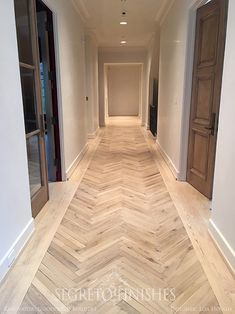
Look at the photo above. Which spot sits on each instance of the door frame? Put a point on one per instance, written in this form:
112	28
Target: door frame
58	86
187	91
106	65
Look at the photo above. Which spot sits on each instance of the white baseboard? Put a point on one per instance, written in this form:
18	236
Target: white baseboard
151	134
168	161
222	245
94	134
75	163
181	177
10	257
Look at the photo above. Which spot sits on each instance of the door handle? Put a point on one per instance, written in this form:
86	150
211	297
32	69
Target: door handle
212	127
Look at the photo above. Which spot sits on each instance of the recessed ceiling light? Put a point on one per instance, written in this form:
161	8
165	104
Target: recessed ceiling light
123	42
123	23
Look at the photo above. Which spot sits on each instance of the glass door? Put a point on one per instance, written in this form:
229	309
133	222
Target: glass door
31	92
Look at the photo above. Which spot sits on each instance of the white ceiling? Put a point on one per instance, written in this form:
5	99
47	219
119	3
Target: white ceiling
104	16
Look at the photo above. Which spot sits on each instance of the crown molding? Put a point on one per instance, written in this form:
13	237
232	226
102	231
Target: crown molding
114	49
163	11
81	10
85	16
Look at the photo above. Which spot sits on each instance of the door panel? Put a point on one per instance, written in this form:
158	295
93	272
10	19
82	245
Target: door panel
199	160
203	95
206	86
208	40
31	93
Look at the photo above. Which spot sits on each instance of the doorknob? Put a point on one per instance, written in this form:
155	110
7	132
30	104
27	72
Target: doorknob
212	127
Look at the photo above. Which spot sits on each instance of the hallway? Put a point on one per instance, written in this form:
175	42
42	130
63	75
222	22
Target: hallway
121	233
117	156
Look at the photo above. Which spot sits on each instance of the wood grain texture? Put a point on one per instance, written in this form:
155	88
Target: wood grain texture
206	86
16	284
121	232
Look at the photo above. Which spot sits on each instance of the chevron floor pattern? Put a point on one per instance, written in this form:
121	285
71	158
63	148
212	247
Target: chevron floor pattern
121	246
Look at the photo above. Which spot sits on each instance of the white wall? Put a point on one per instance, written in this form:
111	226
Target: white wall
16	222
121	55
124	90
172	67
91	50
71	56
222	223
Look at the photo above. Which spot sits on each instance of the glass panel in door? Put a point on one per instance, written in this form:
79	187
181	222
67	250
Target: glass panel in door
32	103
34	164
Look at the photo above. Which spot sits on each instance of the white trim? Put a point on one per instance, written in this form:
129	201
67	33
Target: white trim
81	9
222	244
94	134
147	126
75	163
152	136
121	49
141	80
168	161
165	11
16	248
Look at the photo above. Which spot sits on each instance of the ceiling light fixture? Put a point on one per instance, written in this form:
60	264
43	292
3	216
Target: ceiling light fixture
123	20
123	13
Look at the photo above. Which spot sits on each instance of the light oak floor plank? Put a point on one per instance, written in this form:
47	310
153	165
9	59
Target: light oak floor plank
125	244
126	200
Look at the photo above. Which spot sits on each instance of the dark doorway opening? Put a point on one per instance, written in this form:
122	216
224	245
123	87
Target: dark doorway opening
154	108
49	90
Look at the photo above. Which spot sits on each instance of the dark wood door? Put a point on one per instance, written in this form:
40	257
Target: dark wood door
206	88
26	27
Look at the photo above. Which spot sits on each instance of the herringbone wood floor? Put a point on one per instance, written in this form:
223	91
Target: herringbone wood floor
121	242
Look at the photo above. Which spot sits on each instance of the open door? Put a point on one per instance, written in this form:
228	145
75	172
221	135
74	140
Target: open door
49	90
206	87
26	26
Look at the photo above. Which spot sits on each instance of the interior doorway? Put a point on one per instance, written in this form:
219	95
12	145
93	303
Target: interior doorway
122	89
34	26
49	90
210	37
